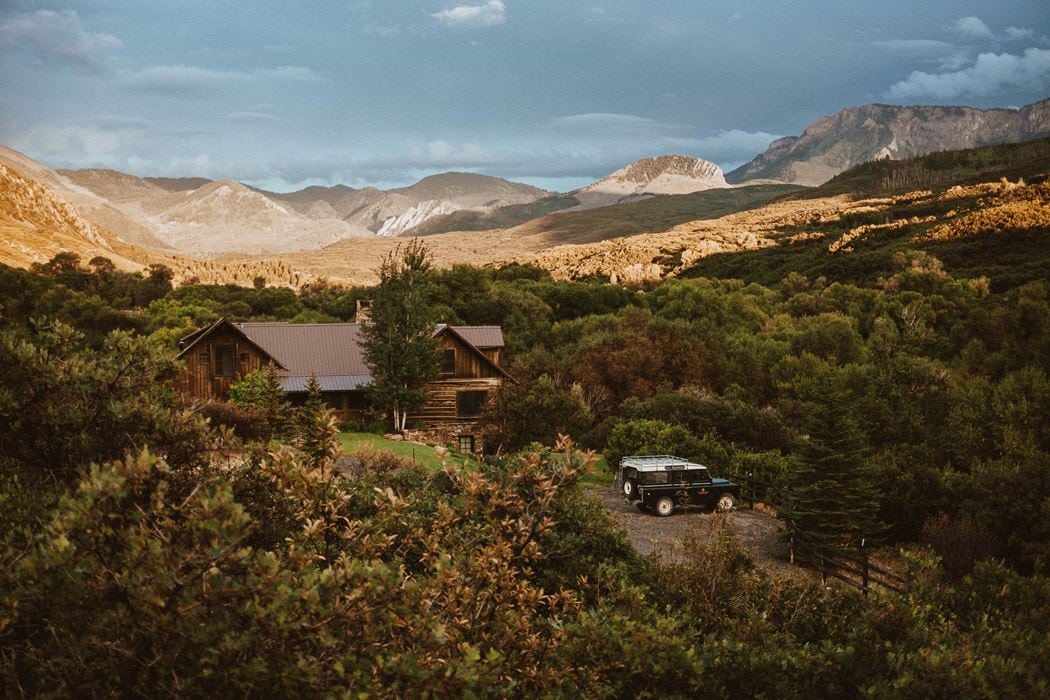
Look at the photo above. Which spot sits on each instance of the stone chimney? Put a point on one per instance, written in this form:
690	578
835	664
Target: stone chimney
364	311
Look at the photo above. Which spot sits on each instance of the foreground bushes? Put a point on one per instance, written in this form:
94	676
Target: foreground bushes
286	576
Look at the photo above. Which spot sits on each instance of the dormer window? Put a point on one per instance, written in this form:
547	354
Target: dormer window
448	362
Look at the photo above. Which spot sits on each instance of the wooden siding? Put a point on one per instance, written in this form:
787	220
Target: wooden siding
468	363
492	354
200	380
440	406
345	405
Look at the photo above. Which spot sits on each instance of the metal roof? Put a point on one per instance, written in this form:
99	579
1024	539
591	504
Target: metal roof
652	463
481	336
332	351
322	349
189	341
347	382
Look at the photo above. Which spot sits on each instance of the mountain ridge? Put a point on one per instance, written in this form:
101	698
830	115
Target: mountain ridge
854	135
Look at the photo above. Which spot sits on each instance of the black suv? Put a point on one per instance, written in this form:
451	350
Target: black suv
661	483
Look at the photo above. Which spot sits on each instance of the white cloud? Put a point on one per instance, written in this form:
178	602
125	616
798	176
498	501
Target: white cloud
606	122
250	116
731	146
946	56
972	27
1018	34
491	14
67	145
58	37
177	79
915	46
381	30
599	15
990	74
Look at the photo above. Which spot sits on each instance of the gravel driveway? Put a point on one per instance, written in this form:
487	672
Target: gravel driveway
756	531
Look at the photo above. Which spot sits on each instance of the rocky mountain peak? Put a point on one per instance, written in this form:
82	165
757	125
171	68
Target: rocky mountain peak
670	174
855	135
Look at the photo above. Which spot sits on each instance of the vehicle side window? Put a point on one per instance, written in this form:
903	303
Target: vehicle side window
701	476
656	478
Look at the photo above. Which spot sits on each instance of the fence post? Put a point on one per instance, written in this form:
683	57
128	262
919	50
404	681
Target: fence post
864	559
792	545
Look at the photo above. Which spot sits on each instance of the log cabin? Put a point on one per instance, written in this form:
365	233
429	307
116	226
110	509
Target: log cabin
217	356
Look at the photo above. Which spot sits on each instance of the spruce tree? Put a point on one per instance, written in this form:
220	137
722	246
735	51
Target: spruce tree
316	425
261	393
832	492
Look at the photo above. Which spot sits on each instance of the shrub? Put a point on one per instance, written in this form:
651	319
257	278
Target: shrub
245	424
960	542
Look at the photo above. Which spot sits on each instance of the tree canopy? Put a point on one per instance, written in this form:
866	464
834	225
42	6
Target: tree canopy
399	342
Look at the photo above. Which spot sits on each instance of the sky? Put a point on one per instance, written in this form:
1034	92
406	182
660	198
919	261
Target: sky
556	93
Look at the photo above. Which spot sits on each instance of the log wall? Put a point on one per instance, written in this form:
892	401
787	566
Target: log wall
199	379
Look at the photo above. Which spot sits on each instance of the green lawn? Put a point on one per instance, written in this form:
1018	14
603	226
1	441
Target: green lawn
422	454
598	475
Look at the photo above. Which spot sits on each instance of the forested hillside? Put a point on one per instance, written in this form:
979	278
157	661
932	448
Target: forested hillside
144	548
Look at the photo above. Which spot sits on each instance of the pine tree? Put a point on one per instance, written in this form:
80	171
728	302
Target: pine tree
832	493
261	393
399	342
317	426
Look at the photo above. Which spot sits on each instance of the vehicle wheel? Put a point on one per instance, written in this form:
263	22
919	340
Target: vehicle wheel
628	488
725	503
665	506
644	508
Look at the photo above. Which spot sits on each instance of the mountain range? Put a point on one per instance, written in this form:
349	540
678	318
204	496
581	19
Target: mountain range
181	221
856	135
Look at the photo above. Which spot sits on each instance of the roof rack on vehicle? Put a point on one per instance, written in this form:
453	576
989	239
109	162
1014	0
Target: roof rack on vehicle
657	462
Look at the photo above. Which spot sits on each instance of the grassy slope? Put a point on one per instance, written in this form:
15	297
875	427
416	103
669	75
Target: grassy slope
503	217
422	454
651	215
1008	261
969	166
644	216
598	475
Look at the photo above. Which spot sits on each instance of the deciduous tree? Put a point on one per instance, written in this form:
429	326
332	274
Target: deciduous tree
399	341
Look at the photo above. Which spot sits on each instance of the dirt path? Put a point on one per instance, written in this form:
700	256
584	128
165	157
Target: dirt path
757	532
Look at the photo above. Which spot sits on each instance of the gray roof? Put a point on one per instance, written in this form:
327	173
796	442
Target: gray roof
332	351
481	336
329	351
346	382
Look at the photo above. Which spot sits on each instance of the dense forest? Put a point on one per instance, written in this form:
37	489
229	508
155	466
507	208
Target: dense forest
146	548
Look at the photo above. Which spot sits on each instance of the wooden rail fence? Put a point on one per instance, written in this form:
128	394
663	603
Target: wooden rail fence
853	569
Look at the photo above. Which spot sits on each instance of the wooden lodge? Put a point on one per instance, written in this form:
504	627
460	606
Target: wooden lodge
219	355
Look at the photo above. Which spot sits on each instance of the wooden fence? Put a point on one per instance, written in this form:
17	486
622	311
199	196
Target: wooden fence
852	568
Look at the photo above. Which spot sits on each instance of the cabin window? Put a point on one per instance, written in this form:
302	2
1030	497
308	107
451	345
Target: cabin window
224	362
466	444
202	357
244	358
469	404
448	362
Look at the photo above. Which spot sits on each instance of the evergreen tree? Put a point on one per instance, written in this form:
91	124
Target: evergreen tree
316	425
832	494
399	342
261	393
